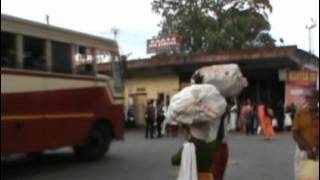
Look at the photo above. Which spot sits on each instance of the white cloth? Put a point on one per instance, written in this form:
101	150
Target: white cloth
164	125
259	130
208	132
188	168
167	121
197	104
299	156
233	118
204	131
274	123
309	170
287	120
227	78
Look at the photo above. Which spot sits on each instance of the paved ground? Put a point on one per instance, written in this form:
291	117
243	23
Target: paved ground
138	159
255	159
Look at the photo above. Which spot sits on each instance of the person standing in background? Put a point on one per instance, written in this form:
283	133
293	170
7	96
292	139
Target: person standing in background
160	117
306	132
249	117
265	121
288	119
256	119
233	117
280	115
150	119
292	110
252	120
243	118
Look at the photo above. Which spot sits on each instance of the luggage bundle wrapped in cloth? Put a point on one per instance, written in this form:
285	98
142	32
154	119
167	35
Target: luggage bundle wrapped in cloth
228	78
205	102
198	103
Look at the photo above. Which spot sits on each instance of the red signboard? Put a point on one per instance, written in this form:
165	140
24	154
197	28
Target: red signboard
163	44
299	84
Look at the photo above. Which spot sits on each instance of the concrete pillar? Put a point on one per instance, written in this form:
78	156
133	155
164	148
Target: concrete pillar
48	55
19	50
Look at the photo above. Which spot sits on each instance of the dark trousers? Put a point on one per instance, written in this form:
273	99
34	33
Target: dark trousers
149	129
159	127
280	123
250	129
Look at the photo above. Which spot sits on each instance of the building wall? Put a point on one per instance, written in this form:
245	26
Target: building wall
152	86
149	87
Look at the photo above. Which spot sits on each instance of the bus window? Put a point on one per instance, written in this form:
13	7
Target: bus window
117	72
61	57
84	61
117	66
34	54
103	56
8	50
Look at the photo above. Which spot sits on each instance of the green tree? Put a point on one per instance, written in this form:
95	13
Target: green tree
210	25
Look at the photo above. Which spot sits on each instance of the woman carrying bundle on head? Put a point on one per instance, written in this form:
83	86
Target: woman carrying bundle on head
202	109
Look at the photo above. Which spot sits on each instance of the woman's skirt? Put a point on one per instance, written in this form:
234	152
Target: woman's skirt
220	161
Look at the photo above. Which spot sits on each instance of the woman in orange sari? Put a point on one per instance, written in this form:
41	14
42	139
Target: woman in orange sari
265	122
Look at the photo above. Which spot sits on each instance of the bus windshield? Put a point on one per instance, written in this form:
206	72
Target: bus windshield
117	69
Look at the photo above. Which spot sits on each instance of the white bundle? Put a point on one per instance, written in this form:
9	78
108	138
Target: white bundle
197	103
228	79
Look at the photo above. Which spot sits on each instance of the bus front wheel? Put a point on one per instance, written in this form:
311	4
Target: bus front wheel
97	146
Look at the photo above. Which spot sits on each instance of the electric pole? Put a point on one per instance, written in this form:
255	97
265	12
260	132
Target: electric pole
47	19
115	32
309	28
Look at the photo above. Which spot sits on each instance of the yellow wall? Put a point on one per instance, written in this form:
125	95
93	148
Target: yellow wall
151	86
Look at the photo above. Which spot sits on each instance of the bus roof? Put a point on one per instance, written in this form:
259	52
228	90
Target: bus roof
30	28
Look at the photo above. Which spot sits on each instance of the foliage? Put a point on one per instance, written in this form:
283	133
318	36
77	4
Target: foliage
210	25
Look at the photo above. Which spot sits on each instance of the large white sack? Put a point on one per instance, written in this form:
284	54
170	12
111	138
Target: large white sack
197	103
228	79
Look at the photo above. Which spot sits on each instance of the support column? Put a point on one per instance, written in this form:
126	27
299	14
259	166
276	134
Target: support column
94	61
48	55
113	65
74	50
19	50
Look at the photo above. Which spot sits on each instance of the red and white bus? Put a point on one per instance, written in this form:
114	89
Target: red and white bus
51	94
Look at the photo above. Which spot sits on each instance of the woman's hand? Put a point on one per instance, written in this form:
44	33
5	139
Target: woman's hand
197	78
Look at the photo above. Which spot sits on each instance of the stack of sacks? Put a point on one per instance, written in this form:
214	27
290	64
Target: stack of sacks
198	103
228	79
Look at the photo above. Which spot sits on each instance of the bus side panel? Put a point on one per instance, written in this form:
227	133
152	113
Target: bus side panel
114	113
68	122
117	118
53	119
89	104
22	125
